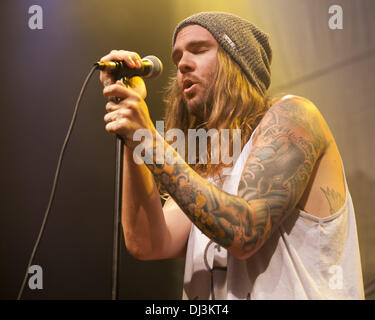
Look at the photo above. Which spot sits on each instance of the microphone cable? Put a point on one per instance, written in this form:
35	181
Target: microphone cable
57	173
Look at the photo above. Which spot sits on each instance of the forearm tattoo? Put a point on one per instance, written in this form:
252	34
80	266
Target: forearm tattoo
273	180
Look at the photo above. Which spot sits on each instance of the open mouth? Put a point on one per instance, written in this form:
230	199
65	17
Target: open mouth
188	85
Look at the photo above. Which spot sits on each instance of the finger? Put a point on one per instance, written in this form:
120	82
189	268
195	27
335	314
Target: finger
116	126
122	113
115	55
132	59
112	106
115	90
106	78
119	90
109	117
133	56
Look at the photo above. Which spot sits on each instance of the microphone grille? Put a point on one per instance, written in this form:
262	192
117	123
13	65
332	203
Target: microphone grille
157	67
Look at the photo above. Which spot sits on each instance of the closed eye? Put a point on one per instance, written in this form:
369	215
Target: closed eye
195	47
201	51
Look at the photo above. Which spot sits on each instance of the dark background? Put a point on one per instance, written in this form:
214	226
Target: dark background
41	74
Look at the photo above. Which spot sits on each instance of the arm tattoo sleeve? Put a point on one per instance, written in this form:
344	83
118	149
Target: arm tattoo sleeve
276	173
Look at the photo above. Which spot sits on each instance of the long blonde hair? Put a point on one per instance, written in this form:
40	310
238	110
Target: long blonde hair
235	105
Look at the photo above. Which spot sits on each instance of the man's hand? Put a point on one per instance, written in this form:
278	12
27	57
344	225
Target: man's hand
128	112
132	60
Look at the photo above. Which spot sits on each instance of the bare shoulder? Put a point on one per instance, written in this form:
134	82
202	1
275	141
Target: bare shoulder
299	110
299	116
287	144
291	98
298	121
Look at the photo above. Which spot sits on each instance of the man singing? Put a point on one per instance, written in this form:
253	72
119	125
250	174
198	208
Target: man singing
278	223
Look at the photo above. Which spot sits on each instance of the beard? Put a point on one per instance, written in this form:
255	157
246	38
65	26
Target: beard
200	107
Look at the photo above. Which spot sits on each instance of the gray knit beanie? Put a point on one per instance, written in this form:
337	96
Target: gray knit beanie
244	42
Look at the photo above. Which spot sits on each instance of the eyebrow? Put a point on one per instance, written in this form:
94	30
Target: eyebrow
192	44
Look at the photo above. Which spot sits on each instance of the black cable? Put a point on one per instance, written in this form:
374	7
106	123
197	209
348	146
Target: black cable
55	180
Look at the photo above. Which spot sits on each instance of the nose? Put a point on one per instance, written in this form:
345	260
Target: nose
186	63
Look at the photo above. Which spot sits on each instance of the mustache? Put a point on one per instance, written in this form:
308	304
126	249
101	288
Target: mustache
191	78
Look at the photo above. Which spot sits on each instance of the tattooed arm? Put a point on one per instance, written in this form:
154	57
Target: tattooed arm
288	142
150	231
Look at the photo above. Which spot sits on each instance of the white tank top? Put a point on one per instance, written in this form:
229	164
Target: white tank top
305	258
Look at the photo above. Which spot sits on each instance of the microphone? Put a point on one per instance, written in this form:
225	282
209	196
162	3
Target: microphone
151	68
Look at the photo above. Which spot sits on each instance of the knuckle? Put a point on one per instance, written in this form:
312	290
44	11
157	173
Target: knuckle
130	105
126	52
137	98
110	128
110	90
125	113
106	91
136	56
108	107
122	123
104	58
107	118
105	78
